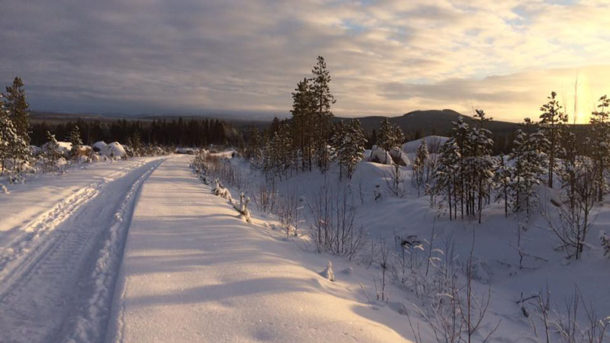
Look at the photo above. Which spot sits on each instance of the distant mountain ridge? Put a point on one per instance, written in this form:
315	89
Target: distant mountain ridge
431	122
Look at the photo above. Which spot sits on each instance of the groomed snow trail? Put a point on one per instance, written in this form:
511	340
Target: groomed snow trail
194	272
58	275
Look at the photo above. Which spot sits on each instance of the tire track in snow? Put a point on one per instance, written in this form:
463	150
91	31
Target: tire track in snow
91	324
50	283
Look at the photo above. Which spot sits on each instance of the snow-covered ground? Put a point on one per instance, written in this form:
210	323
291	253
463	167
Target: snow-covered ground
53	242
194	272
141	251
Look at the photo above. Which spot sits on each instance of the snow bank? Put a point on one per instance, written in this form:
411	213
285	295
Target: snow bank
112	150
379	155
433	143
99	146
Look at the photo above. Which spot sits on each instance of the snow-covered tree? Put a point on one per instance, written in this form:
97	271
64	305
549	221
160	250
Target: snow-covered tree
529	163
599	138
445	175
17	108
322	102
303	123
502	181
479	165
77	142
466	167
389	136
52	153
419	165
349	140
8	136
552	120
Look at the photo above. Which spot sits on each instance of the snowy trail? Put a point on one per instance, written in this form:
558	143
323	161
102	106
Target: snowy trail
56	277
194	272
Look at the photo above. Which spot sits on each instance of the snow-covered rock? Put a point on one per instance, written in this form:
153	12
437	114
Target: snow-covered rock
99	146
63	147
379	155
399	157
433	143
114	150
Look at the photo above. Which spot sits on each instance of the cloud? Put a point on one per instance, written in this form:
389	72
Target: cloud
385	56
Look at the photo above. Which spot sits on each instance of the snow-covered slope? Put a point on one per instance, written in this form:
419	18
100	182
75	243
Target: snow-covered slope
194	272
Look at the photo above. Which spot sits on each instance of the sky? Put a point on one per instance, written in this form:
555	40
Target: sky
386	57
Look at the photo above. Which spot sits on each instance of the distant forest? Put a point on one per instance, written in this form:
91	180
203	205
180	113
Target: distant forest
175	132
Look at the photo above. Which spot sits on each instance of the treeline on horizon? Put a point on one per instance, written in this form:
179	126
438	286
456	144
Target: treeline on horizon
174	132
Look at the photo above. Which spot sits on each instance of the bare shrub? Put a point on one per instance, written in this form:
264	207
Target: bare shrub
333	229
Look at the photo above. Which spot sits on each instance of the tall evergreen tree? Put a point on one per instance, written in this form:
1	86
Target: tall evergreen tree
17	107
552	120
76	140
389	135
303	122
529	163
322	100
8	136
419	165
600	144
349	140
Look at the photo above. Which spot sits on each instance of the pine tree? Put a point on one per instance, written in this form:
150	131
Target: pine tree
77	142
51	153
349	140
480	166
389	136
529	163
419	165
8	137
445	175
551	121
18	107
303	122
600	140
322	100
502	181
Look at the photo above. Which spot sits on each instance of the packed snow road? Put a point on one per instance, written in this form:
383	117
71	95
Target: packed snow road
61	249
195	272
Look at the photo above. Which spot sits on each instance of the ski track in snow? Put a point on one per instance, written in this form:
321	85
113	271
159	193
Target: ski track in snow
57	276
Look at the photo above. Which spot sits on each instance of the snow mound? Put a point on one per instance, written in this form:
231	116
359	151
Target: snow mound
63	147
433	143
379	155
99	146
399	157
112	150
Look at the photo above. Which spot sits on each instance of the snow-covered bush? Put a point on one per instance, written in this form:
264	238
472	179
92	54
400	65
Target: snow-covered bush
328	272
220	191
605	242
333	223
379	155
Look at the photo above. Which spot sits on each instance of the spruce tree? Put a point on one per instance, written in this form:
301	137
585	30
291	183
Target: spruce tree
389	136
51	153
8	137
303	123
322	101
17	107
600	144
419	165
349	140
529	163
552	120
77	142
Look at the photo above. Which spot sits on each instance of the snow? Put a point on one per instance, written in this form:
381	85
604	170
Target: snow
64	147
141	250
194	272
99	146
433	143
50	240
